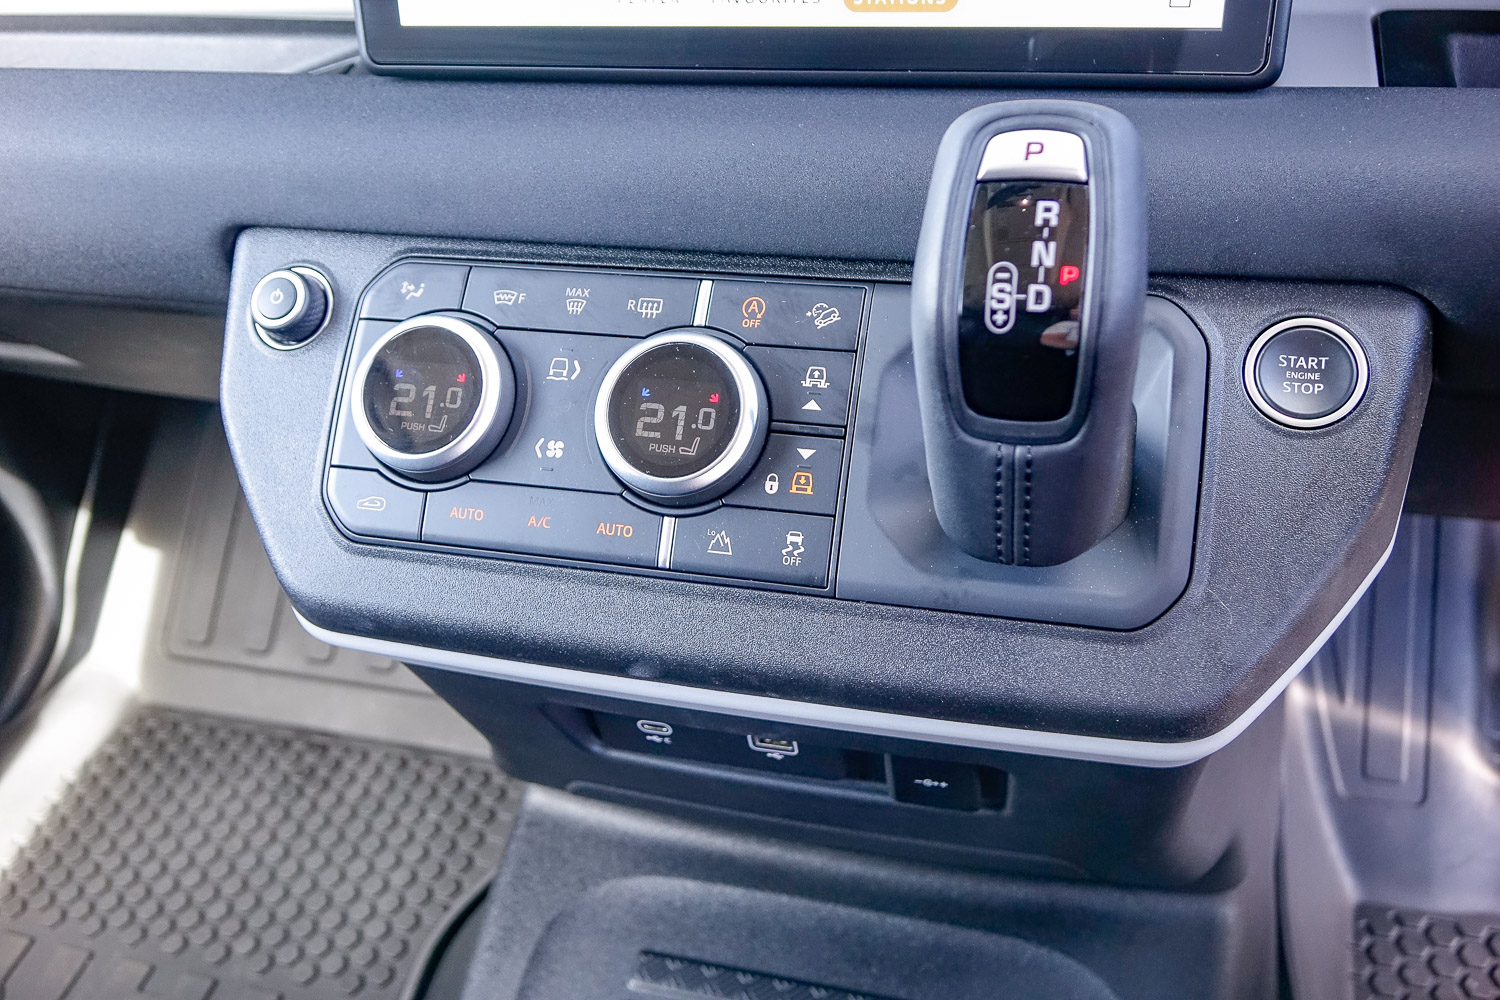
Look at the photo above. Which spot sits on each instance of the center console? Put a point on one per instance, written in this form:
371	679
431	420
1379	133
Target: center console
999	561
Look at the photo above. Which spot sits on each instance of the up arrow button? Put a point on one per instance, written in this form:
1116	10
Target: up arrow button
806	387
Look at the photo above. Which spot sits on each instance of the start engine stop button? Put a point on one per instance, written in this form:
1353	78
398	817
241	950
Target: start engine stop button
1306	373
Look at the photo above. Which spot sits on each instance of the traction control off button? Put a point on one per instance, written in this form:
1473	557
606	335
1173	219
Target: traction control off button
1306	373
755	545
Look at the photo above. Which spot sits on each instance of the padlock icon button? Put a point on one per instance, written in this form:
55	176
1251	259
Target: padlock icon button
773	483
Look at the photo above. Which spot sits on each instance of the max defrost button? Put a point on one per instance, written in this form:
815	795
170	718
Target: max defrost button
755	545
593	526
621	304
1306	373
369	504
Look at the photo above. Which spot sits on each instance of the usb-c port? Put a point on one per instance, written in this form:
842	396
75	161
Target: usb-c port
773	746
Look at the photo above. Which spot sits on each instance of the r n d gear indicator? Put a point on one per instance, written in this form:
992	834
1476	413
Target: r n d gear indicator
1023	293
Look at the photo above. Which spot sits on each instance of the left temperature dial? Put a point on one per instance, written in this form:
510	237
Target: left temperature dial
433	396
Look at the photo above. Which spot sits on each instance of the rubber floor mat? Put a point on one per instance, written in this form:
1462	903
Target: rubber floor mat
199	858
1410	955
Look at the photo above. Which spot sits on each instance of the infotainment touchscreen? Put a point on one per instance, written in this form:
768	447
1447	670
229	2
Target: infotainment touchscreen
1196	42
898	14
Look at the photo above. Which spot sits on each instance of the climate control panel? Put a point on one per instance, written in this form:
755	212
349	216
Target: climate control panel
652	421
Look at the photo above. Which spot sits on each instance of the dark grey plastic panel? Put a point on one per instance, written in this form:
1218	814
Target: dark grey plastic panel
850	920
895	552
1389	808
1387	185
1168	828
1291	525
595	949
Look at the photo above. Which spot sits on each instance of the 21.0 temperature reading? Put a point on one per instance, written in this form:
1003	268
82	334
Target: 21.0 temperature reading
655	413
406	394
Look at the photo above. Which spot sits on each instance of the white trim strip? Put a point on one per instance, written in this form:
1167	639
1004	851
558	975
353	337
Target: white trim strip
700	308
1143	753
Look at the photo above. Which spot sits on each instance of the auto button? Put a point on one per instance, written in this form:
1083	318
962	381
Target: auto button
593	526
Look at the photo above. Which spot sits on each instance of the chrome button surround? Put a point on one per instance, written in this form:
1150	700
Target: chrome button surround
1270	410
282	333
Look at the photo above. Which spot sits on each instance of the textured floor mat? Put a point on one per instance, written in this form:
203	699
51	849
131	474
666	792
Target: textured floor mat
1405	954
665	976
198	858
225	638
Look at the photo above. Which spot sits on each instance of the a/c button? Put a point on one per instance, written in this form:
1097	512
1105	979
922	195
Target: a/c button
594	526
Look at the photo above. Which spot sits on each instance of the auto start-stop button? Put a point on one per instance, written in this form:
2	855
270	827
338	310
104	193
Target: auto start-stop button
1306	373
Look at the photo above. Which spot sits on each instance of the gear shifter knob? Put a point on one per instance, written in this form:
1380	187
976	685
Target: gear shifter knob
1027	300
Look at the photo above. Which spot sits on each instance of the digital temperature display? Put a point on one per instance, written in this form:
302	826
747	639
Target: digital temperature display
422	391
674	410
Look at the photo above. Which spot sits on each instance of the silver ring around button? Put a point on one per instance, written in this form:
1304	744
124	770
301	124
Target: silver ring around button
264	327
1361	373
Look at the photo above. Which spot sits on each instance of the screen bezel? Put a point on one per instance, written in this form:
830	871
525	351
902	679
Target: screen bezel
1247	52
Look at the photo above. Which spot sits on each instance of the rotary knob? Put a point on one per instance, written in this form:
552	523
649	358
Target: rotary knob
433	397
290	307
681	417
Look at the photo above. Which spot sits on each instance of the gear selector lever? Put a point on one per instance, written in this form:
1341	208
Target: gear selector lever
1027	302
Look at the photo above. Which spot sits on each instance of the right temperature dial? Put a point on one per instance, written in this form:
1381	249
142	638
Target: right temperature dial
681	417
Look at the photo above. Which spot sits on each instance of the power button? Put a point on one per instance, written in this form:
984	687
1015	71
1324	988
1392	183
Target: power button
290	307
1306	373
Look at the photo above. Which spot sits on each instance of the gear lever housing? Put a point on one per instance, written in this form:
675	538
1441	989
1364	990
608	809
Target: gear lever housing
1027	302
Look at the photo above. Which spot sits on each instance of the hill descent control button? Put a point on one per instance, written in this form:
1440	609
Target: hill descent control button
1306	373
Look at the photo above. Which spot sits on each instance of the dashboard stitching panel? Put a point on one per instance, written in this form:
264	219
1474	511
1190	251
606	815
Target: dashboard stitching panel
1026	512
1000	503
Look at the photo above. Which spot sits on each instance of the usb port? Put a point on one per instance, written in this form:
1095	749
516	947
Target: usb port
654	728
773	746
